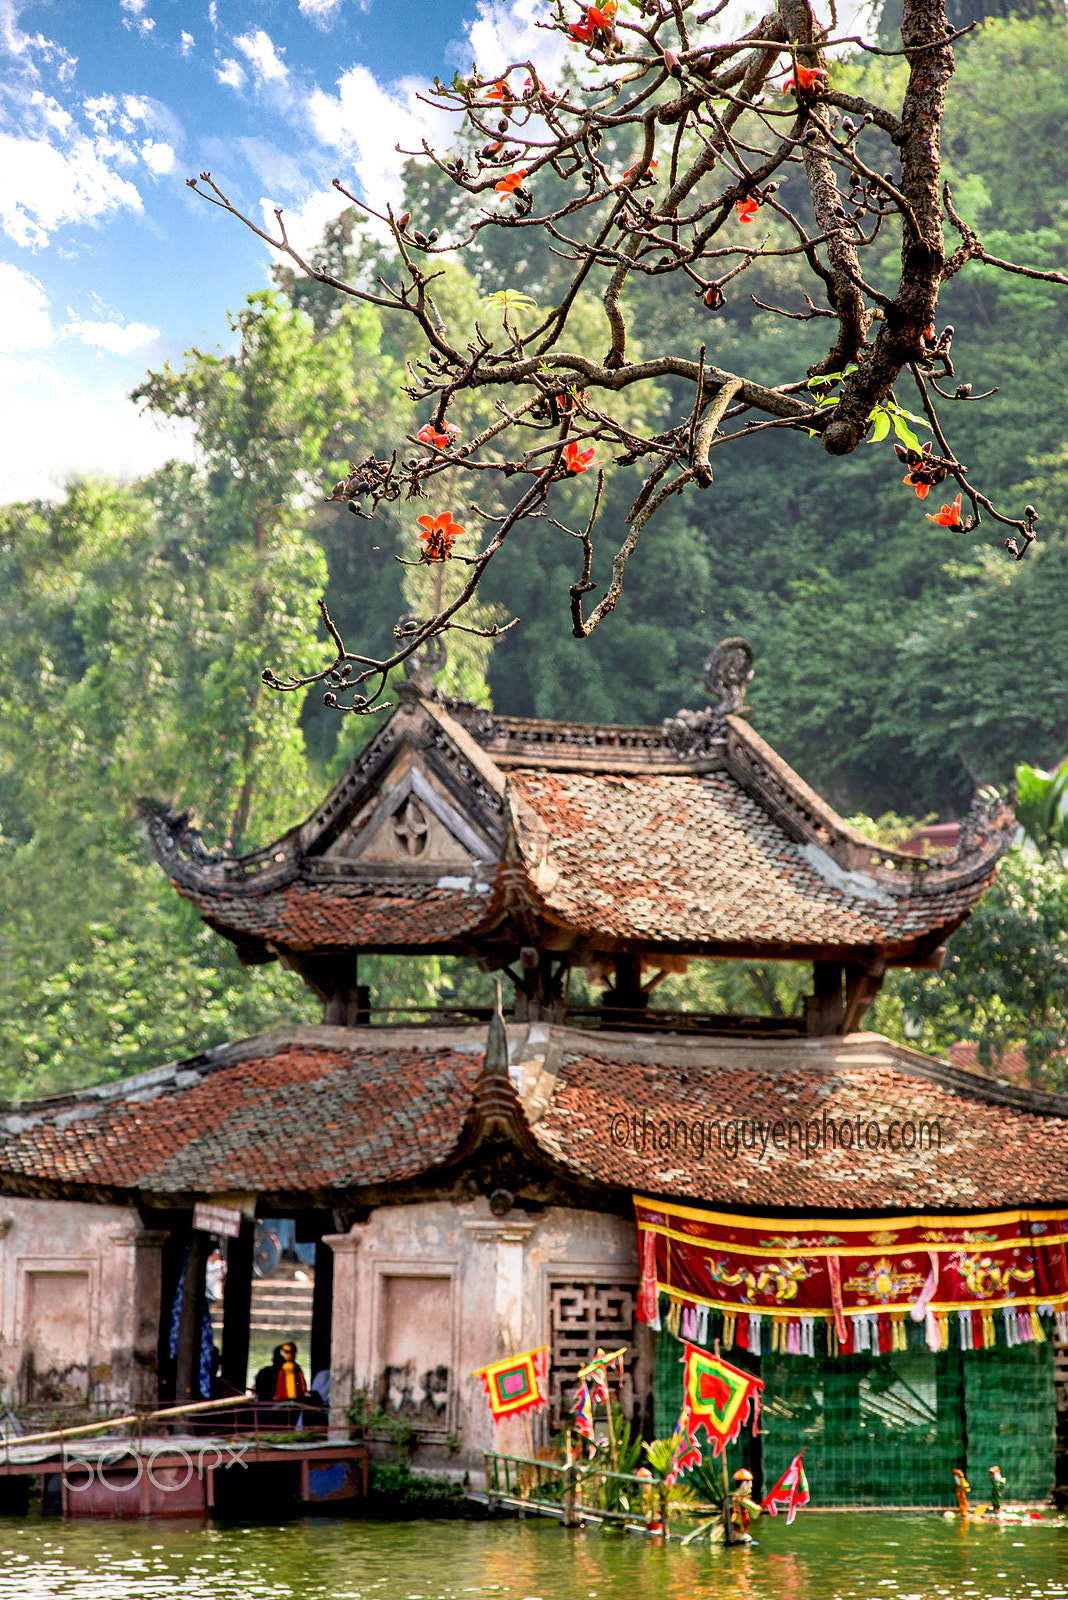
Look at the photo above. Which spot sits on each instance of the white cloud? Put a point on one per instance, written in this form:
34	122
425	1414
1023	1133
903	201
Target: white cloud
57	427
284	174
24	320
323	12
135	17
112	335
42	188
231	72
502	33
259	51
365	122
27	48
158	157
213	16
305	223
187	43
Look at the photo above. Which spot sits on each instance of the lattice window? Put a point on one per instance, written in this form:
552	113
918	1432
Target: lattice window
583	1316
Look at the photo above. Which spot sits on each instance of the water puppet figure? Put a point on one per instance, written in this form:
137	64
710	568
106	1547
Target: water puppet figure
962	1487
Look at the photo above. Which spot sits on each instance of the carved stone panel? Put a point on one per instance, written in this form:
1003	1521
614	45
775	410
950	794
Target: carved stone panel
582	1317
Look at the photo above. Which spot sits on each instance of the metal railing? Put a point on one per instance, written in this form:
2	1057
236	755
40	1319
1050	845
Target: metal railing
576	1493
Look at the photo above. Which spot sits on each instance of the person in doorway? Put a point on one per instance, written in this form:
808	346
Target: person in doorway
266	1380
290	1384
215	1277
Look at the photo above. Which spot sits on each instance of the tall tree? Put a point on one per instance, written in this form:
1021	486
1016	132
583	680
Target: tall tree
573	171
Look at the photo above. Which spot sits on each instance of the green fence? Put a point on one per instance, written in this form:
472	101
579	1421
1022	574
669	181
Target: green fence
889	1429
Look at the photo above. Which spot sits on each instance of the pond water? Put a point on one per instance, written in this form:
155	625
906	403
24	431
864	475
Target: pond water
822	1557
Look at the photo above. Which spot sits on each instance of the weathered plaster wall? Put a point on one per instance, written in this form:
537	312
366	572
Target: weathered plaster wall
474	1287
79	1304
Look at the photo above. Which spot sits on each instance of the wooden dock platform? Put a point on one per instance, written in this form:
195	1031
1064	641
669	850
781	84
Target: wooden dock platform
87	1472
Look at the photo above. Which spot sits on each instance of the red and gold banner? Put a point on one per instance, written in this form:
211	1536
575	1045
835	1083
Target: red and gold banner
919	1265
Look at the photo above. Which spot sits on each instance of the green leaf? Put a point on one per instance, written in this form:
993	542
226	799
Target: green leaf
881	429
905	433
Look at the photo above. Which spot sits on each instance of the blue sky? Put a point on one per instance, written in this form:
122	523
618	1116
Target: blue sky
109	264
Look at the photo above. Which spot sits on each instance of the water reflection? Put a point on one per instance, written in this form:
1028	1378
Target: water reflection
822	1557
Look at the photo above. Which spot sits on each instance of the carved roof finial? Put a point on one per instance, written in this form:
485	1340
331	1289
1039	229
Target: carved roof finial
421	665
727	674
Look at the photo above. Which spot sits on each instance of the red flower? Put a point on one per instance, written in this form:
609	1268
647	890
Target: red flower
499	91
440	534
924	472
577	460
747	208
636	164
804	78
509	184
948	517
598	24
428	435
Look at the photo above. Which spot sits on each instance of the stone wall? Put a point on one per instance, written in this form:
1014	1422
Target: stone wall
79	1306
426	1293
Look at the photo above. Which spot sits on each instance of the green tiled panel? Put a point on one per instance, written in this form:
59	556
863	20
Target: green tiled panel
888	1430
1012	1419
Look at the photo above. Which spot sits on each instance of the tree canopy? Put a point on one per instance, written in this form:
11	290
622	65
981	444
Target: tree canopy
898	665
667	156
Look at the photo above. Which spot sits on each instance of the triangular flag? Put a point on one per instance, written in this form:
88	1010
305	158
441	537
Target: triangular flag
790	1493
717	1396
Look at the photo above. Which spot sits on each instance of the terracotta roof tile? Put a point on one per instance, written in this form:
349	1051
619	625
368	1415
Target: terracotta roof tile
330	1111
696	859
333	914
299	1116
679	1128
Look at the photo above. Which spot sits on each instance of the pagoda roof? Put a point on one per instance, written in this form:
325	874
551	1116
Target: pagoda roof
461	832
301	1120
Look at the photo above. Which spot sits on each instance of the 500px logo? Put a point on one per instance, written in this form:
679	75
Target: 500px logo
168	1456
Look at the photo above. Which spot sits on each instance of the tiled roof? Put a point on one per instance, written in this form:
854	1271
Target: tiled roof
335	914
318	1110
694	837
324	1110
1012	1068
998	1146
695	860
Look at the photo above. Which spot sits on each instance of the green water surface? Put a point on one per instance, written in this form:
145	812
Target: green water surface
826	1557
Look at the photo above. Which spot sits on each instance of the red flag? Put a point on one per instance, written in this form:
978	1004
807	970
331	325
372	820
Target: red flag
718	1396
515	1384
684	1449
790	1493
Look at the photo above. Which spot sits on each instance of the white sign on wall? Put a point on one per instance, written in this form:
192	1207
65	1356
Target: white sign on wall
222	1220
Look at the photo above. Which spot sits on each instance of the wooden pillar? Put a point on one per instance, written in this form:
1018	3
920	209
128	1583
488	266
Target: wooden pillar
862	985
626	993
237	1306
175	1249
825	1008
322	1308
187	1374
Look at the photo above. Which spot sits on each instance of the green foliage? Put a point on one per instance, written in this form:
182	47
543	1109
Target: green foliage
1005	980
1042	806
398	1492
